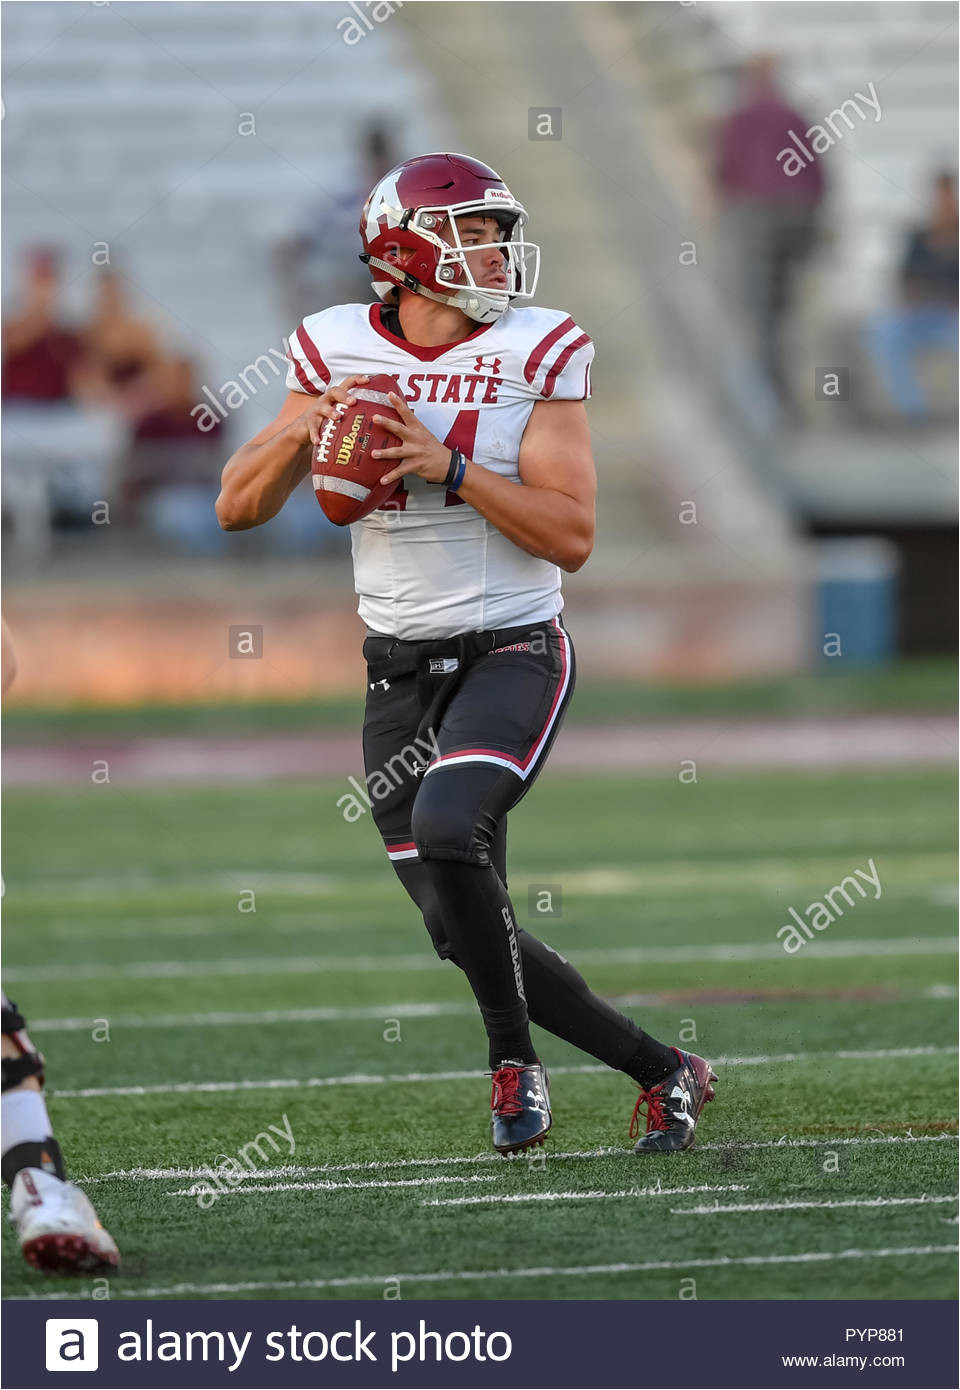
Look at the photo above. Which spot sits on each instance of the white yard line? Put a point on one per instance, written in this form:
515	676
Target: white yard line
295	1170
516	1197
339	1186
921	1201
418	1077
542	1272
243	1017
360	1013
319	965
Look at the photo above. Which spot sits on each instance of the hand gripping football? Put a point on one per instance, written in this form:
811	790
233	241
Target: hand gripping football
346	477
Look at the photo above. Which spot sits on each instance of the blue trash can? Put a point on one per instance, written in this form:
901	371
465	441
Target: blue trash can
857	595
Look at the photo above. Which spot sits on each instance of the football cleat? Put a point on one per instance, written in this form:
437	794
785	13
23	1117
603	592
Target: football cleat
673	1107
521	1106
57	1226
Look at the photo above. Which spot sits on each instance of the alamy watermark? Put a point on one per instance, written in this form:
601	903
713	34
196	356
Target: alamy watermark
824	135
236	391
230	1172
411	761
817	916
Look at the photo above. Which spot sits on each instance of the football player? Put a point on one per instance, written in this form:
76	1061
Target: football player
56	1224
458	574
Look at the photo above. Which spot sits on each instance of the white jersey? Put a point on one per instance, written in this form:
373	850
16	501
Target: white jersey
426	564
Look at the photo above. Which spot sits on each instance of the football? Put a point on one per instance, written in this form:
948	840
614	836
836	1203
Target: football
346	476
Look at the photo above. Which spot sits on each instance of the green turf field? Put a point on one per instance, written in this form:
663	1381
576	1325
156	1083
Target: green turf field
919	684
324	1014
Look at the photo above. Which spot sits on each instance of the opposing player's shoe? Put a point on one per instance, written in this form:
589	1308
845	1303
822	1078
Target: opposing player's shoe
57	1226
673	1107
521	1106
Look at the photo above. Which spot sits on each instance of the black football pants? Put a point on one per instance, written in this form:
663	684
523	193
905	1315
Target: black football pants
455	732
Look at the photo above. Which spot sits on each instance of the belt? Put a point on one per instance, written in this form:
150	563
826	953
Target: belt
436	685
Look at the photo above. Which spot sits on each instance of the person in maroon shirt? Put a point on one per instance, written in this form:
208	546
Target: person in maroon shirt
61	446
773	213
40	355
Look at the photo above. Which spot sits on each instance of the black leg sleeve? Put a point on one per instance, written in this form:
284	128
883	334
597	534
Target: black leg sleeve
481	929
560	1000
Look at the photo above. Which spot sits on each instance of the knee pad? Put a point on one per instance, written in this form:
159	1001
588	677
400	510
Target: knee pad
447	823
29	1062
432	919
439	938
415	877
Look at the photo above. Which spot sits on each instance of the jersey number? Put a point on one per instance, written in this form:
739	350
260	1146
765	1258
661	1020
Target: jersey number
462	436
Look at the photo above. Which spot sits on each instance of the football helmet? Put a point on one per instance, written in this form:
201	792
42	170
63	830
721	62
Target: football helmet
402	220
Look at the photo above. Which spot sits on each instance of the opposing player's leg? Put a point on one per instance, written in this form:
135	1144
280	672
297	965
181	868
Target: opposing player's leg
56	1224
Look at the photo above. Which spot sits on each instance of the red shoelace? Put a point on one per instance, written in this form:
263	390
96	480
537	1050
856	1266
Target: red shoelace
505	1096
656	1119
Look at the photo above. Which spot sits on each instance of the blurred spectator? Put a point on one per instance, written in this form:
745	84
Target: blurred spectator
318	264
773	215
40	353
118	348
171	473
171	476
926	317
60	453
102	414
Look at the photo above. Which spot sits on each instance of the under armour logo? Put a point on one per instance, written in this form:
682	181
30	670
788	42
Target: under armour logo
682	1111
493	366
384	684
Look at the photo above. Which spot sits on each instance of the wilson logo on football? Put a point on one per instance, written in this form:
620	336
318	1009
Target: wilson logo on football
348	442
346	475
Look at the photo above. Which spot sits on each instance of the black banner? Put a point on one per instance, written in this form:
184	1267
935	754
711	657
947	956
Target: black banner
531	1344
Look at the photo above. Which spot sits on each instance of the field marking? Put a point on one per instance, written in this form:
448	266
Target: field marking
654	1191
542	1272
320	1014
289	921
403	1078
515	1197
312	965
923	1200
382	1012
344	1186
918	873
292	1170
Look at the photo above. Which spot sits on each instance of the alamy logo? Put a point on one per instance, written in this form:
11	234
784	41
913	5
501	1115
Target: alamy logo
72	1344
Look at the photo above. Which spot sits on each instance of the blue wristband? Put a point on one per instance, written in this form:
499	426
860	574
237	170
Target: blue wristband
461	463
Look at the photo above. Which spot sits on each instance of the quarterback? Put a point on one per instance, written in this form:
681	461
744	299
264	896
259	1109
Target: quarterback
458	575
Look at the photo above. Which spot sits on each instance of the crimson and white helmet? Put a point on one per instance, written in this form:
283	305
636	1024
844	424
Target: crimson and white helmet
406	212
